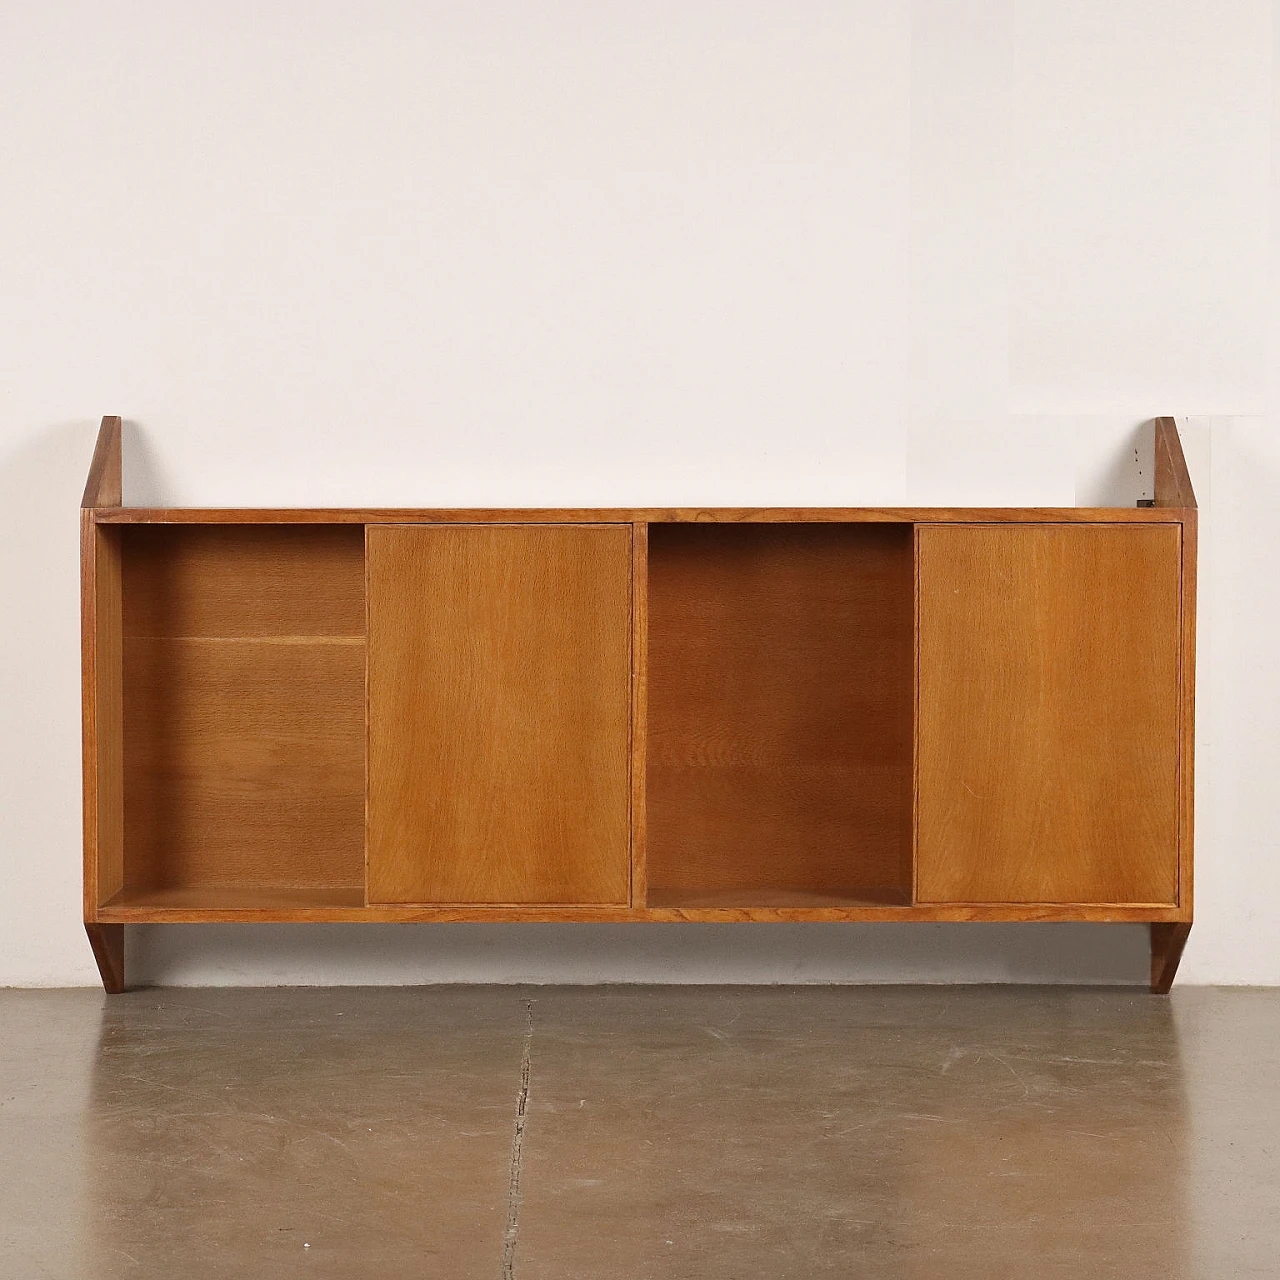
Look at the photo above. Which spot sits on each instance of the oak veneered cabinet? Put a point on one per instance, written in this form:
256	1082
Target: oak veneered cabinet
499	713
837	714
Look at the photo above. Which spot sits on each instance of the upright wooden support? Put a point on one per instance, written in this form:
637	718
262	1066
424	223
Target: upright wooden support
1167	942
107	941
1173	488
105	484
102	703
1172	479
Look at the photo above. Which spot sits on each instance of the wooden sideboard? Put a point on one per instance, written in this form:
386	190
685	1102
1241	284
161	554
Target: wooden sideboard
617	715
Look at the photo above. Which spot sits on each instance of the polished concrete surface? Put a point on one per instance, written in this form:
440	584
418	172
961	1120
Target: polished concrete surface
553	1133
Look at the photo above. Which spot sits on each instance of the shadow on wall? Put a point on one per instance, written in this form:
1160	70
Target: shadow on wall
1114	470
42	475
145	484
352	954
41	481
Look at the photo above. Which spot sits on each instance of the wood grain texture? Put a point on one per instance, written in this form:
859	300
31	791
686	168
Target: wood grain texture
244	763
107	941
240	897
101	662
1173	486
780	711
1173	489
208	771
242	581
639	712
104	485
629	515
1167	944
499	714
102	713
278	906
1187	716
1048	714
244	694
769	899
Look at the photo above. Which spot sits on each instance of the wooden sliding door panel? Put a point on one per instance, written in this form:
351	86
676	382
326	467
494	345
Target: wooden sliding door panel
499	713
1048	750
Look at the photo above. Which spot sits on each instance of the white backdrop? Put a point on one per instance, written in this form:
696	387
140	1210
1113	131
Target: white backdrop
698	251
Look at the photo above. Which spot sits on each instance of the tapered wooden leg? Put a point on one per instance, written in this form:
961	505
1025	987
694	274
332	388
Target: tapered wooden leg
107	941
1167	941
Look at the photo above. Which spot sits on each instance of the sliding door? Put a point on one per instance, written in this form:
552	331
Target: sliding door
499	713
1047	756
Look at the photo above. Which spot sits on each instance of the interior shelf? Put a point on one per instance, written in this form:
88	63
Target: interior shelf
201	897
749	899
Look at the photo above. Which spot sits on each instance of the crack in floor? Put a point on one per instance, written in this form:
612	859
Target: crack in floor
517	1151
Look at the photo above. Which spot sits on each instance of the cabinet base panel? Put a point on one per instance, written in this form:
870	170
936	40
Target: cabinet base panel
767	899
314	909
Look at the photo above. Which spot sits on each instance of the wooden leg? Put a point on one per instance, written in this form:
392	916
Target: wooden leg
1167	941
107	941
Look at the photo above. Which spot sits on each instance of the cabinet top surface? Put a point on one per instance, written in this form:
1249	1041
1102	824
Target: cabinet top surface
632	515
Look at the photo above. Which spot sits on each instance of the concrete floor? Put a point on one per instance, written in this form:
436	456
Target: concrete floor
556	1133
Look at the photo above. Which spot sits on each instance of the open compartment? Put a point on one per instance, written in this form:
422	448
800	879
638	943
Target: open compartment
244	723
780	714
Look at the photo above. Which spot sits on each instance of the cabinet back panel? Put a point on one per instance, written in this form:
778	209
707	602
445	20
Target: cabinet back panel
244	580
780	667
244	664
1049	713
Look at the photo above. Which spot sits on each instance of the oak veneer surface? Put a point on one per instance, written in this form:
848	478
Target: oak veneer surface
102	706
1048	714
623	515
244	708
1172	479
780	712
107	942
249	898
245	580
102	697
268	904
499	713
104	486
639	711
1173	489
695	900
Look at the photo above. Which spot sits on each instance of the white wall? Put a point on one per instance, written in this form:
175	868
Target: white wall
699	251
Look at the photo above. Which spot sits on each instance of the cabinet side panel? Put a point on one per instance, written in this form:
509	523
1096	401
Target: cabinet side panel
1187	779
499	714
639	712
101	705
1049	713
